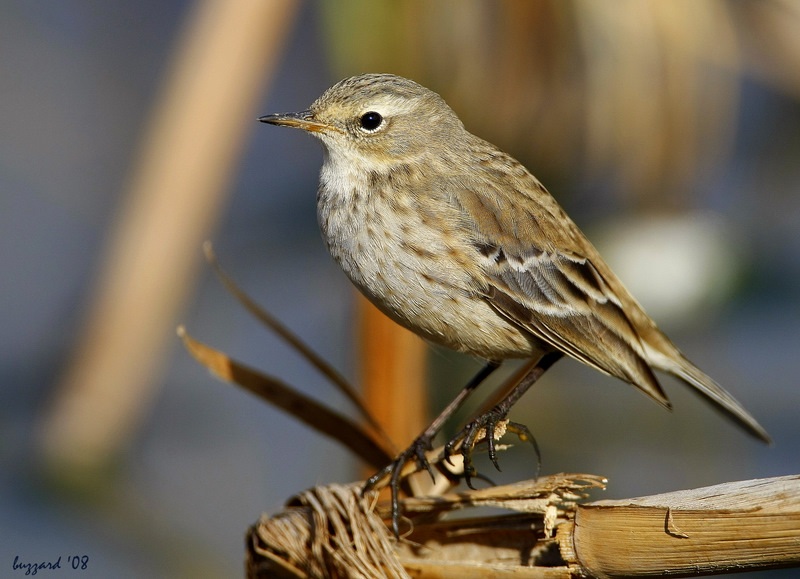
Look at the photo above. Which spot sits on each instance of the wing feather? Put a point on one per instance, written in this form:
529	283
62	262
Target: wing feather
541	279
543	275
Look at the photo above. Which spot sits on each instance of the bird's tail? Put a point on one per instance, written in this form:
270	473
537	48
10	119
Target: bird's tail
679	366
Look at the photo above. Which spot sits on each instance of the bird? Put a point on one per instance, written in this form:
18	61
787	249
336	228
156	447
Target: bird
457	241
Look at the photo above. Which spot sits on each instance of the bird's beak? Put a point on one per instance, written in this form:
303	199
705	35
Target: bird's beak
302	120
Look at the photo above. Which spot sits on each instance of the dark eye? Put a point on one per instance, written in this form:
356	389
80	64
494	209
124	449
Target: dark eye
370	121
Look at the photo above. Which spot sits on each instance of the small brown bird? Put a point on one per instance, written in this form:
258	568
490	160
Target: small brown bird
457	241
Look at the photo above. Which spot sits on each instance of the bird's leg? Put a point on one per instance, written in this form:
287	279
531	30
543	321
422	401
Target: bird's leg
488	421
416	451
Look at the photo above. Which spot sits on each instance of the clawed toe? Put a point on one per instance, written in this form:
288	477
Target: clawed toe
490	426
415	452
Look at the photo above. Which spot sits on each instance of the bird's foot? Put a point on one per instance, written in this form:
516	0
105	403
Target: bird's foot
415	452
489	426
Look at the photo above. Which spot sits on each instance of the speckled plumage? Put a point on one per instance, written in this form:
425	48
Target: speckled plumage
457	241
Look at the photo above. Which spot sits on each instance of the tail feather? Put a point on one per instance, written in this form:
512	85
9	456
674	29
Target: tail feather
679	366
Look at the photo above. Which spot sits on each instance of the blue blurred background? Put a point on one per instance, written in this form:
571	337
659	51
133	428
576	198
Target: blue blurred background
684	173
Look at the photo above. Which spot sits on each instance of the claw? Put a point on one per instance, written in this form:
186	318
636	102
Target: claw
486	426
394	484
525	435
449	450
492	424
467	446
415	452
490	443
422	460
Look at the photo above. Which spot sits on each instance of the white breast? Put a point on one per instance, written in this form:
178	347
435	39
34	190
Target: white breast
409	265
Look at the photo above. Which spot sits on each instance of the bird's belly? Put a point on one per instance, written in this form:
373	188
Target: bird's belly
461	322
424	281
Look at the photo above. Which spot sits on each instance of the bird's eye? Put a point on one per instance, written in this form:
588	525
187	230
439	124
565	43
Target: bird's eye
370	121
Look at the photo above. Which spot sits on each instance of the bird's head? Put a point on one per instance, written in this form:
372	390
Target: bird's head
380	119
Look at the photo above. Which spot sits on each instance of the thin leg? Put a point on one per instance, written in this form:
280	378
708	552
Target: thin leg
422	443
456	403
490	419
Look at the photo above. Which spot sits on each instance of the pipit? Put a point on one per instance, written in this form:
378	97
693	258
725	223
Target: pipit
457	241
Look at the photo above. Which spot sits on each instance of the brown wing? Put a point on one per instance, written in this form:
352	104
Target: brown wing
539	278
545	276
561	301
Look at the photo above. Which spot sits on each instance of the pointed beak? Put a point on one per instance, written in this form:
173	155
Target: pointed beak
302	120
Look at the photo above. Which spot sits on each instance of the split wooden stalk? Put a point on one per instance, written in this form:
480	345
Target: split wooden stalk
729	527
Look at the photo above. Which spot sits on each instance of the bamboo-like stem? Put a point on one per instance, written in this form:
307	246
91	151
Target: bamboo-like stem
752	524
735	526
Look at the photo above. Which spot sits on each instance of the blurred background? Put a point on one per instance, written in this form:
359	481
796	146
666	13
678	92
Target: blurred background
670	131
